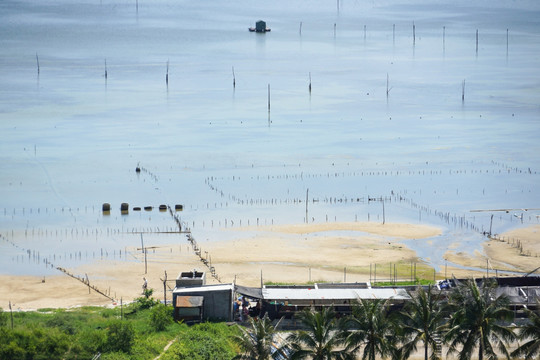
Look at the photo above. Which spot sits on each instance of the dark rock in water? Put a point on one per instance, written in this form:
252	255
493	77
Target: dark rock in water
106	207
124	207
138	169
178	207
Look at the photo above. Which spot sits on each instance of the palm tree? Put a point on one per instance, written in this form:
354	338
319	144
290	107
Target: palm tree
475	321
422	319
372	327
321	340
531	334
256	342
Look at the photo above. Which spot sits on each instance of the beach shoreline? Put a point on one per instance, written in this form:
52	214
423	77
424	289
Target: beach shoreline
298	253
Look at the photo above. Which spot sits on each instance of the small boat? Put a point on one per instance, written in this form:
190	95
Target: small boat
260	27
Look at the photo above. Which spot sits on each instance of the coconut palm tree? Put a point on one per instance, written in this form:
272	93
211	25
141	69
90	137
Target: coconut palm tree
321	340
256	341
372	328
475	322
531	334
422	319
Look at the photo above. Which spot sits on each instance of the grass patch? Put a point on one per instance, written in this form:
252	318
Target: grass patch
83	332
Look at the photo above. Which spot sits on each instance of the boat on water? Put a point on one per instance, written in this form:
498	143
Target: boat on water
260	27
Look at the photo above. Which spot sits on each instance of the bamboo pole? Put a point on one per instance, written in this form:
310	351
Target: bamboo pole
476	41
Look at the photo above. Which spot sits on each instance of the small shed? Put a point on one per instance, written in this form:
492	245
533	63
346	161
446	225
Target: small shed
217	300
189	308
260	27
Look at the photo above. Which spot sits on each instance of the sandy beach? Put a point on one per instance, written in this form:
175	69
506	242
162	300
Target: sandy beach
283	254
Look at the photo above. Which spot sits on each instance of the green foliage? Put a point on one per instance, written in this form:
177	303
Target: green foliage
403	283
530	336
256	341
421	322
322	338
36	343
3	318
148	292
202	342
63	321
143	302
120	336
90	342
161	317
475	321
372	327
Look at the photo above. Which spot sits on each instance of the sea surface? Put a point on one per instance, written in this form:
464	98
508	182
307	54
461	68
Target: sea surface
385	111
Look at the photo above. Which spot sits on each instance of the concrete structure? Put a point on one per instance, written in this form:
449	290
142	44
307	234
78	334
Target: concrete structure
191	278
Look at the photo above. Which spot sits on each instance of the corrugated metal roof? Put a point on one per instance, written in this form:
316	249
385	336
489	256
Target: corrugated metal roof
334	294
219	287
189	301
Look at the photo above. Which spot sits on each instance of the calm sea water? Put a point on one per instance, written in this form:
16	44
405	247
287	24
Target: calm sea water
384	119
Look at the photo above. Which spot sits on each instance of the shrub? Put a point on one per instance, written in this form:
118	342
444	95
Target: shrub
91	341
120	336
202	342
3	318
64	322
160	317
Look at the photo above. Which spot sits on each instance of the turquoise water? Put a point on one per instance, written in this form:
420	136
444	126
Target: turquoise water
71	137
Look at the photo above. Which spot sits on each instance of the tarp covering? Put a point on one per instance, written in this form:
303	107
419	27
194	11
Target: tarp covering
252	292
189	301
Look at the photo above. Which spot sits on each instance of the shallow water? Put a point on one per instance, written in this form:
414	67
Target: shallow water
70	138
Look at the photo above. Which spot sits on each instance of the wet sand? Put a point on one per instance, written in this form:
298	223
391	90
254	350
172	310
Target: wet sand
283	254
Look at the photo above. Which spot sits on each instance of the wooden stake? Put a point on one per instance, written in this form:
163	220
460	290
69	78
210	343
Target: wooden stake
414	33
476	41
383	217
233	78
463	91
105	69
300	30
167	74
310	82
506	42
307	193
364	33
11	312
444	37
165	289
268	97
145	262
37	59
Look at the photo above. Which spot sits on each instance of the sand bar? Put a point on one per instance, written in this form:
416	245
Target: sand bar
286	253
